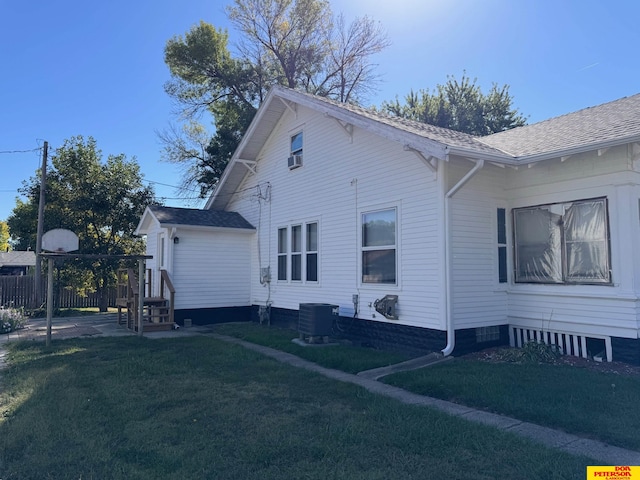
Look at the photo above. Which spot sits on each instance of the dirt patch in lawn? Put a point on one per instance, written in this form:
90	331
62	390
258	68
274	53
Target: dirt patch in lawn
506	355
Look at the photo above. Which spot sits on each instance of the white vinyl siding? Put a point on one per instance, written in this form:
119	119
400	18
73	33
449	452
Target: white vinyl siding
212	269
343	177
475	297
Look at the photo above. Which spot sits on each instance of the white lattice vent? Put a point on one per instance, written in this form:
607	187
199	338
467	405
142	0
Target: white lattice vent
566	343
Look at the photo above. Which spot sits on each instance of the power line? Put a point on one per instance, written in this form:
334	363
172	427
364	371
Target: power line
172	186
20	151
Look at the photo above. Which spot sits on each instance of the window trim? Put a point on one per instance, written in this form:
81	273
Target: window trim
561	249
286	258
362	248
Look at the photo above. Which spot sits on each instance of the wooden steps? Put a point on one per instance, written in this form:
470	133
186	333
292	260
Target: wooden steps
157	312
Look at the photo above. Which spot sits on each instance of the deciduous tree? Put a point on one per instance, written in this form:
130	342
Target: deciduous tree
295	43
100	201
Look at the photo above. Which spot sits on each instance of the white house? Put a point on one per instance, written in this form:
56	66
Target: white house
422	236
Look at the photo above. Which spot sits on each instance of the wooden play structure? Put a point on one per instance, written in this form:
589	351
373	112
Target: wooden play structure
157	311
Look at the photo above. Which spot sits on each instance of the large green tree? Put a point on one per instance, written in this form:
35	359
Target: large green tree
296	43
460	105
101	201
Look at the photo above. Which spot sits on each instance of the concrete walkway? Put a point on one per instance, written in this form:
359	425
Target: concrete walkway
105	325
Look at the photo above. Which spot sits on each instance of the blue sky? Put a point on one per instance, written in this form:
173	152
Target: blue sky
74	67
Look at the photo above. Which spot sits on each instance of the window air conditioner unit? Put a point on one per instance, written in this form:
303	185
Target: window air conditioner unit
294	161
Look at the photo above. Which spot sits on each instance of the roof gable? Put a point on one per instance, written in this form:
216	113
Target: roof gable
610	124
431	141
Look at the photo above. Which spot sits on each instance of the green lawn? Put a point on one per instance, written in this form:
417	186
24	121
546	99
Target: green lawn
577	400
136	408
341	357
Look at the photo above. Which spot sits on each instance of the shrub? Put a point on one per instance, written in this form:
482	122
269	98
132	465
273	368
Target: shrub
532	352
11	319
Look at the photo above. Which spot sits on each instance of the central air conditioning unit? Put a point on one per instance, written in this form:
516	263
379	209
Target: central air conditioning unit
315	321
294	161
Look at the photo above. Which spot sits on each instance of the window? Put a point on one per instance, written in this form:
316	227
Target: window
379	247
563	243
296	144
502	245
312	252
487	334
162	254
298	252
282	253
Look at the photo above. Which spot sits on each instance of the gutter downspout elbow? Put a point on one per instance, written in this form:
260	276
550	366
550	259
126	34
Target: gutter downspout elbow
451	332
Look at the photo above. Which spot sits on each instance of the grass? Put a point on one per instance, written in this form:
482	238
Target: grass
135	408
347	358
594	404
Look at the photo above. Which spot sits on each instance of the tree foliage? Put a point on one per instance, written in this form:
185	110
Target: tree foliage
4	237
460	105
295	43
101	202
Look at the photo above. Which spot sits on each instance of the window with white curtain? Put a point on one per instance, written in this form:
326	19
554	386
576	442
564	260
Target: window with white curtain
563	243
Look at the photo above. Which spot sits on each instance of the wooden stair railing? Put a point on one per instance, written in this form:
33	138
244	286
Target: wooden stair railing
165	282
158	312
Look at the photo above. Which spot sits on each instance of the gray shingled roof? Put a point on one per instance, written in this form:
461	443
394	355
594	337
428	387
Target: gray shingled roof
612	122
18	258
444	136
200	218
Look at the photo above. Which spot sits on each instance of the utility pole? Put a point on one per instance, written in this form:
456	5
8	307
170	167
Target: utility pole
38	272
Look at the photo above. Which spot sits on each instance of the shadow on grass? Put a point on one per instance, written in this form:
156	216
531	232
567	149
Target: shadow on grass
198	408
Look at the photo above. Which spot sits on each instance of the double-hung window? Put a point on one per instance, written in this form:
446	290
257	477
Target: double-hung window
502	245
283	251
298	252
379	246
296	144
563	243
312	252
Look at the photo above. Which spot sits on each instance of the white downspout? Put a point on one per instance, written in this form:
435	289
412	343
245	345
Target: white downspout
451	333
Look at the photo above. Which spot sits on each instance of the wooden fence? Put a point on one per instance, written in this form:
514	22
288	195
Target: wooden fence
18	291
